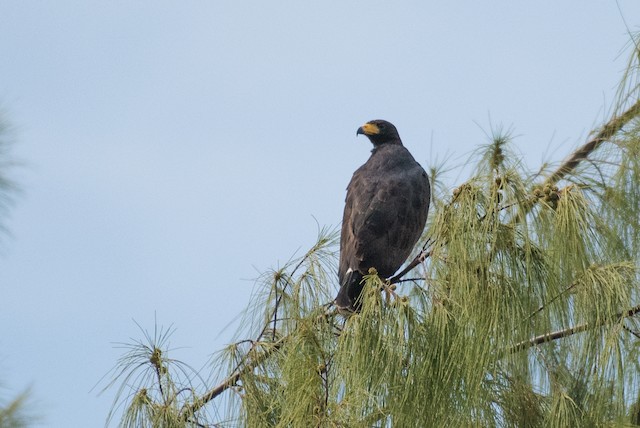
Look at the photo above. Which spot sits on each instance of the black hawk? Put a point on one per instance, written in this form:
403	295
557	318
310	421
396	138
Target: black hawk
384	215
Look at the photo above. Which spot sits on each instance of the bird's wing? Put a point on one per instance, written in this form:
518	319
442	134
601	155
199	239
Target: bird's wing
384	217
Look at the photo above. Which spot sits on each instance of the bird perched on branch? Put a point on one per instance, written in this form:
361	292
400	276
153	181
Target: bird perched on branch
384	215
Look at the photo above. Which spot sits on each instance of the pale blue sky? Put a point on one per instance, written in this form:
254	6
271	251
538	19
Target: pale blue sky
173	150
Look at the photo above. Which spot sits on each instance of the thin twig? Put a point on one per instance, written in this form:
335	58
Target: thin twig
409	280
632	332
419	259
275	309
553	299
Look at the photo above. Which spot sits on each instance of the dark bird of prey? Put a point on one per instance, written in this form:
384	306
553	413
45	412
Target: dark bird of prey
384	214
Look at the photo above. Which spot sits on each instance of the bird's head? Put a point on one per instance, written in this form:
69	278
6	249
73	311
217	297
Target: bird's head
380	132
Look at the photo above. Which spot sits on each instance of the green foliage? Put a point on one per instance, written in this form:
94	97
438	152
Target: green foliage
521	313
153	387
14	414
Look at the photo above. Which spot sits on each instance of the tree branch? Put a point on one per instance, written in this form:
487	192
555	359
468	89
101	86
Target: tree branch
570	163
232	380
607	131
548	337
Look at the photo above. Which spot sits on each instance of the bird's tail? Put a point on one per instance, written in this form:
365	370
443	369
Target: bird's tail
348	298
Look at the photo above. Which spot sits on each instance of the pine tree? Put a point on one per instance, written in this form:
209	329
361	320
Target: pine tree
518	311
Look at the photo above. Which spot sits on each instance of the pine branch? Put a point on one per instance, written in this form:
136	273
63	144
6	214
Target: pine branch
232	380
548	337
607	131
582	153
249	361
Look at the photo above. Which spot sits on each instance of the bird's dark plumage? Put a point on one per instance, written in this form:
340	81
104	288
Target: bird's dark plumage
384	214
